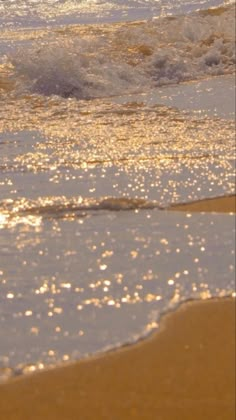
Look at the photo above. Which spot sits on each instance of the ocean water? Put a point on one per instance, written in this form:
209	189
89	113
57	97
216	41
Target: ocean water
110	111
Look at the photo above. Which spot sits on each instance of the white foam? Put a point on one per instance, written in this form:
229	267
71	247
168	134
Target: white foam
117	59
65	70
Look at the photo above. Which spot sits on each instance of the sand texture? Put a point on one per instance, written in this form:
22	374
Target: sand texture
217	205
185	371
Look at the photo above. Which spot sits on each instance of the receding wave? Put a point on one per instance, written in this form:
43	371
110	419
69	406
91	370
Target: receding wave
96	61
13	212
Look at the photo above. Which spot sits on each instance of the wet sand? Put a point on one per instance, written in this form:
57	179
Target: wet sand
184	371
218	205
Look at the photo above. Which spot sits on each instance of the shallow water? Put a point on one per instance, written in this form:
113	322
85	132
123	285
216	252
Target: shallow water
73	287
24	13
102	127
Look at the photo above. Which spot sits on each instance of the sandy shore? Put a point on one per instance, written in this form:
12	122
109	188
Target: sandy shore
185	371
218	205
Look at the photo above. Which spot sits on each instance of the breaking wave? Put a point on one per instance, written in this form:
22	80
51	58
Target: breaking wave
96	61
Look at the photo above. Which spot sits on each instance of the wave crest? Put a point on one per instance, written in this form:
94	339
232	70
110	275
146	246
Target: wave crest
66	70
110	60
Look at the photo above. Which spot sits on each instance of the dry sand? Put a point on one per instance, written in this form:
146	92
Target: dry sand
186	371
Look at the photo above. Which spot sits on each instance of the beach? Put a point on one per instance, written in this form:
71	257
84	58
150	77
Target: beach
117	210
185	371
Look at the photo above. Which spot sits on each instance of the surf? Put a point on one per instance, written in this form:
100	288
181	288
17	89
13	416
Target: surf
94	61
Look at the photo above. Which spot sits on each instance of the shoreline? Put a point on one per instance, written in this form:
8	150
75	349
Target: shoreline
224	204
185	370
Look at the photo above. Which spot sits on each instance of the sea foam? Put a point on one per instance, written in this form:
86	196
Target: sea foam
96	61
